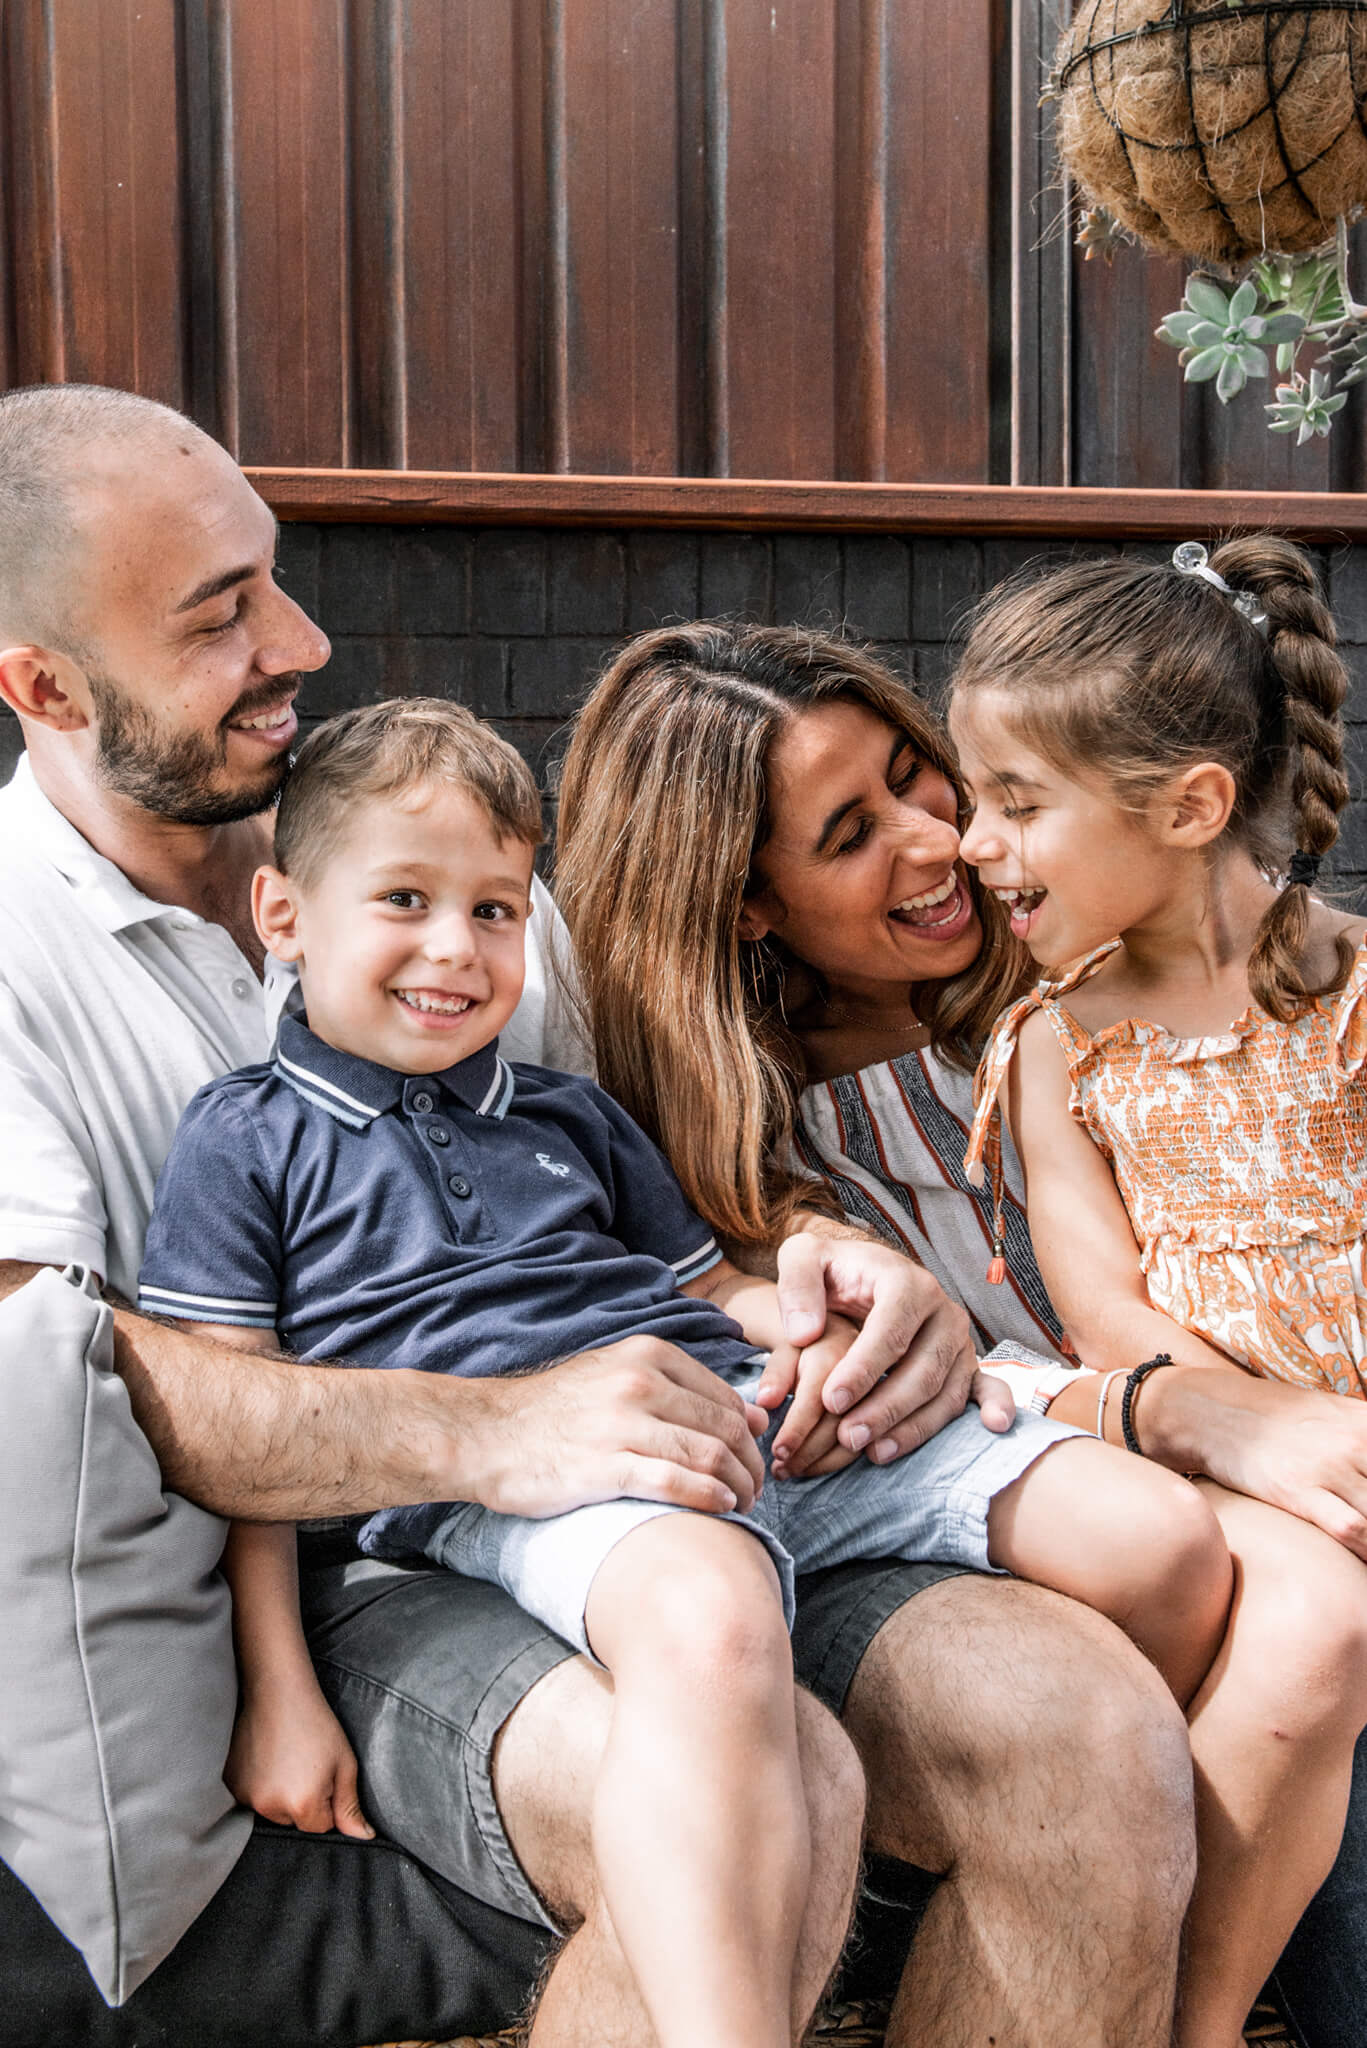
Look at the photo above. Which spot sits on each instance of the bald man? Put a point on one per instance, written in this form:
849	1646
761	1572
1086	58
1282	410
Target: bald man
1012	1741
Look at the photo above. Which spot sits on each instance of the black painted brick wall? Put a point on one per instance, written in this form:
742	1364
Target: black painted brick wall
517	621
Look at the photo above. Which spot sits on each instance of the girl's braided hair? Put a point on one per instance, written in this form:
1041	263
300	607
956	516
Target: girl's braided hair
1148	671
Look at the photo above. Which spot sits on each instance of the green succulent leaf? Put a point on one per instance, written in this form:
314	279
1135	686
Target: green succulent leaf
1252	361
1205	364
1244	302
1286	356
1179	329
1231	378
1204	296
1282	327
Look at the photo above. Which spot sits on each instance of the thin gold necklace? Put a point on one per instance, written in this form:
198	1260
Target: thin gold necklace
873	1017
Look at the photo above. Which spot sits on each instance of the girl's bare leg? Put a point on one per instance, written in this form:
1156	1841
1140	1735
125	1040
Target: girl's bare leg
700	1818
1130	1539
1272	1736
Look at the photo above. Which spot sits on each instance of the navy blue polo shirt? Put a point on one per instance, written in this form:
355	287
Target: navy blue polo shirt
477	1221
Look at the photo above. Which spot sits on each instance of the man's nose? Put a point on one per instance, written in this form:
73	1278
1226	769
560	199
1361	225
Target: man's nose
293	642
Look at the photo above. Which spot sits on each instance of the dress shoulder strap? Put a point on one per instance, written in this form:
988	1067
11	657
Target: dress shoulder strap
1350	1018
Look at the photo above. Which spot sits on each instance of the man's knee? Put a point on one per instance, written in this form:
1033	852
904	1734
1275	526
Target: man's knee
993	1716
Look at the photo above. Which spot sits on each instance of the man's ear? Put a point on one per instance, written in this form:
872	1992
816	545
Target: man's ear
275	913
1198	804
38	685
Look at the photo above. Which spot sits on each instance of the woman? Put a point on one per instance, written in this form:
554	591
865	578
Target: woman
790	973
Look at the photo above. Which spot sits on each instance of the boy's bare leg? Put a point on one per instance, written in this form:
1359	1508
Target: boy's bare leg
590	1999
699	1821
1016	1742
1272	1735
547	1799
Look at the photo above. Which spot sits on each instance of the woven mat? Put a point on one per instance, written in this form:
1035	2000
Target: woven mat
861	2026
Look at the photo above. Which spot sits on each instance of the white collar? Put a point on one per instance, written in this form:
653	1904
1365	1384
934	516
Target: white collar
38	827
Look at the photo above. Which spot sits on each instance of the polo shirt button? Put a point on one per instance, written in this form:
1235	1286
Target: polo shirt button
423	1103
459	1185
241	988
439	1134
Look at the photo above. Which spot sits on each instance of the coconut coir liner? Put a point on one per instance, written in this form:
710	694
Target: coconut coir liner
1217	132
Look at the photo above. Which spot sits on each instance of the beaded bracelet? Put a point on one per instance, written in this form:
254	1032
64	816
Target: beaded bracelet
1132	1386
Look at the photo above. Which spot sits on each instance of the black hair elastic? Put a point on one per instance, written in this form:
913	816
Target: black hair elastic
1304	868
1132	1386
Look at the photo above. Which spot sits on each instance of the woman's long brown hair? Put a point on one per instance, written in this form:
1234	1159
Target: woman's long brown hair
663	807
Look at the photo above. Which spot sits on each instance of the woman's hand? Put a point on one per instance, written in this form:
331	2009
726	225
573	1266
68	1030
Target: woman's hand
911	1369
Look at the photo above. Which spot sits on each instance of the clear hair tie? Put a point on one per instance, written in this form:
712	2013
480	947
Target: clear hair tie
1189	558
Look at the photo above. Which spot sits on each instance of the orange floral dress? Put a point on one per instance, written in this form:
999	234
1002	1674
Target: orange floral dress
1242	1160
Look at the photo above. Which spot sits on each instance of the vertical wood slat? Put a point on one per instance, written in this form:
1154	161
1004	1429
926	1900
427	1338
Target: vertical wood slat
459	204
289	179
938	232
93	160
620	266
1040	313
778	219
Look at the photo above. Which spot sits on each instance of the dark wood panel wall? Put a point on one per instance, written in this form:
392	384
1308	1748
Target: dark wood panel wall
744	238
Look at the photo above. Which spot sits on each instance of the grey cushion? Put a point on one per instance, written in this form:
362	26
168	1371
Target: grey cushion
117	1689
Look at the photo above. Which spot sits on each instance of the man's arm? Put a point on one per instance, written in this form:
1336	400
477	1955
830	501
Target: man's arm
268	1439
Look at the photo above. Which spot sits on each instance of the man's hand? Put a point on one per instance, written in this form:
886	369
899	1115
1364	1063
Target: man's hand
912	1367
639	1419
291	1762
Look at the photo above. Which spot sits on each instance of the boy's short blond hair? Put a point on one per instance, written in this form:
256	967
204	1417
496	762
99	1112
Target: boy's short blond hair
386	749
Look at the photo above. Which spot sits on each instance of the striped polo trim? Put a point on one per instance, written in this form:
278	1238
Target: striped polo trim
207	1308
696	1263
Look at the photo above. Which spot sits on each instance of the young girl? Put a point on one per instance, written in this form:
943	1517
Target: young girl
1156	753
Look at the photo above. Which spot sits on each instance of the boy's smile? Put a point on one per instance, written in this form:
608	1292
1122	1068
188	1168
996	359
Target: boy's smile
410	937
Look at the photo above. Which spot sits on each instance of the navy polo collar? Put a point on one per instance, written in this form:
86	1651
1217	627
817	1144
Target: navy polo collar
356	1091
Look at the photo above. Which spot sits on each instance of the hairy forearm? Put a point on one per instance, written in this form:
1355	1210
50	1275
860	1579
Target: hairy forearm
263	1438
270	1439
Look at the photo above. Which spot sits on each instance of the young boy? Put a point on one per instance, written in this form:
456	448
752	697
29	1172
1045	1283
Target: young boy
390	1191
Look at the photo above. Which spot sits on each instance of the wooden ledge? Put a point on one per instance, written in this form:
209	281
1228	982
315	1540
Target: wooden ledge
392	496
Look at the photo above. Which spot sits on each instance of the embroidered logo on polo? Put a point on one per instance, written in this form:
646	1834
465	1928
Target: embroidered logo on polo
552	1166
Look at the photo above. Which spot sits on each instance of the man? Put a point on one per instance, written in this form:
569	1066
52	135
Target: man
1012	1742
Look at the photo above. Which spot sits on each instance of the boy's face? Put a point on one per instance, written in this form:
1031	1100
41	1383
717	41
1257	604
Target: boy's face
410	939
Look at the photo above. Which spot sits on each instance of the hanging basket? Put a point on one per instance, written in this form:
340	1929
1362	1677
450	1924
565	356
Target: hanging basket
1223	130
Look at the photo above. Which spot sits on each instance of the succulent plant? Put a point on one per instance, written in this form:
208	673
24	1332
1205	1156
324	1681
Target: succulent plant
1304	408
1284	305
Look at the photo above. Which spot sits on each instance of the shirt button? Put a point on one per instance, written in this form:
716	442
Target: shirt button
241	989
424	1103
459	1185
439	1134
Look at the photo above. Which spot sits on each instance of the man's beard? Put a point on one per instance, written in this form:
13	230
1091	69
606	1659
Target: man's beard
180	775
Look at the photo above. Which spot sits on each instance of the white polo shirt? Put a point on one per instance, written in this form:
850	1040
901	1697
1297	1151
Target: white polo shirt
114	1010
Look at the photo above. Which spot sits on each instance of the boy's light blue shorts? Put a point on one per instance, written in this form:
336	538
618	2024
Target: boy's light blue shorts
930	1507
